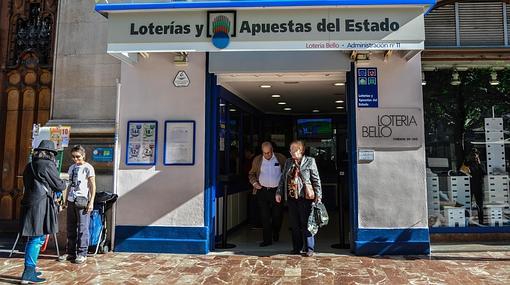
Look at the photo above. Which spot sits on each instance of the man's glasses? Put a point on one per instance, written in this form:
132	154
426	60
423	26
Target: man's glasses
76	156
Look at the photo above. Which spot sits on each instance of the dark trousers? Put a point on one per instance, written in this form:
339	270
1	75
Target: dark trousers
270	213
299	211
478	194
253	210
77	230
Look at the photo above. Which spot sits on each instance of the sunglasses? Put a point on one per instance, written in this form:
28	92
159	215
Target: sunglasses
76	156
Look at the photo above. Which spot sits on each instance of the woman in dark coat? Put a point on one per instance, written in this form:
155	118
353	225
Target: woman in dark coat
38	208
300	175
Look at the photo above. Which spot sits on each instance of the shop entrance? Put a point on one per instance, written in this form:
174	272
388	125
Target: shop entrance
279	107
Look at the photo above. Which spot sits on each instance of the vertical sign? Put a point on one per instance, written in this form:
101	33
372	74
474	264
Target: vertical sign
367	87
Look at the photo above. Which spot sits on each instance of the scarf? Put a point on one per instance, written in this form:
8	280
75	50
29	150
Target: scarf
294	180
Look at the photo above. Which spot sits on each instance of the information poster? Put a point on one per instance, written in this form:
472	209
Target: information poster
179	143
141	142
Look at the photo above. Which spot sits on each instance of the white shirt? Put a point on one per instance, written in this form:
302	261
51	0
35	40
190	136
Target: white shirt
79	178
270	172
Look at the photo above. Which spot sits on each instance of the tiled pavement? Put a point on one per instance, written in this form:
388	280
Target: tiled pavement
119	268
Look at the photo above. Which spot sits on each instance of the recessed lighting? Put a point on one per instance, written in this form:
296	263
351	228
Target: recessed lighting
281	103
232	110
339	101
276	96
222	104
265	86
315	111
287	109
339	84
339	107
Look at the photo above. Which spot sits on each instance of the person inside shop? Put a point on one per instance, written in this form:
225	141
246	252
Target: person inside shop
80	203
39	210
300	184
264	176
476	170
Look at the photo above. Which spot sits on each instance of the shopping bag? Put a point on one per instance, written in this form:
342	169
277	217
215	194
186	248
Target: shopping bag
95	227
45	244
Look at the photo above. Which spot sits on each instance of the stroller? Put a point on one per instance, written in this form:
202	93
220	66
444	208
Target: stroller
98	229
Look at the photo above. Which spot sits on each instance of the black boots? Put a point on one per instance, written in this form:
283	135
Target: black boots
30	276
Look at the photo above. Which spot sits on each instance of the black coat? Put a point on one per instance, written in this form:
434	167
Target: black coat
38	209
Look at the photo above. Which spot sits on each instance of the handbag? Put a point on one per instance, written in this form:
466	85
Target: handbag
309	192
81	202
318	218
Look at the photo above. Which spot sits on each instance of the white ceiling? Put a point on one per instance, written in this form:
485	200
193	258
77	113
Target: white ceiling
303	92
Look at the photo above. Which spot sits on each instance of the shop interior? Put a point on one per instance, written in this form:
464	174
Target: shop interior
280	107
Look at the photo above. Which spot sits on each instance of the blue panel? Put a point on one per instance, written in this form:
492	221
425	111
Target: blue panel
411	241
469	230
225	4
353	166
154	239
210	154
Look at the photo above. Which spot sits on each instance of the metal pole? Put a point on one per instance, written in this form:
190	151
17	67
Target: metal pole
224	244
15	243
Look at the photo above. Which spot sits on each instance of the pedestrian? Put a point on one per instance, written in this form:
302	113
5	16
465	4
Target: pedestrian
38	208
476	170
264	176
300	184
80	203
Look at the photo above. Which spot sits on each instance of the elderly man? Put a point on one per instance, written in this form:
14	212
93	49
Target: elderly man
264	176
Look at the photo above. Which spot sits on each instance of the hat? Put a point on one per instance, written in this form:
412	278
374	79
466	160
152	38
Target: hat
47	145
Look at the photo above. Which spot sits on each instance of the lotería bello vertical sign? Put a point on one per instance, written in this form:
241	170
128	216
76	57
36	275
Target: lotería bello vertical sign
368	94
361	28
390	128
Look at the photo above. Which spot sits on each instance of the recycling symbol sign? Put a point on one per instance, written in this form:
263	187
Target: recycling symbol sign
181	79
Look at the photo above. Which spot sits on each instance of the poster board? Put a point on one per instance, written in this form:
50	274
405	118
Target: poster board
59	135
179	143
142	138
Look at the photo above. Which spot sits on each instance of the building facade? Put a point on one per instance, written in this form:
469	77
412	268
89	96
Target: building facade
100	96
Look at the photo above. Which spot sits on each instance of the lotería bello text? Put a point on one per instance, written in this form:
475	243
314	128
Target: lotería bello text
385	125
246	27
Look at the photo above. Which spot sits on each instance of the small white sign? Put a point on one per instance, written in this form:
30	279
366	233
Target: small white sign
365	155
181	79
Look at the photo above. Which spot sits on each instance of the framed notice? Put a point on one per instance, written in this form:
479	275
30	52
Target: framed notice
142	137
179	143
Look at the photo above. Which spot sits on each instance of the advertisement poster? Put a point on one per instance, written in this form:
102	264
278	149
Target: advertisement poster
59	135
179	143
142	139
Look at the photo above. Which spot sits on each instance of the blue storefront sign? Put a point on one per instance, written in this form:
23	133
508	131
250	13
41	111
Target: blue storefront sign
102	154
367	87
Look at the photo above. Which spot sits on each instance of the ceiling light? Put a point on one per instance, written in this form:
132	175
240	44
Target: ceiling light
287	109
423	81
339	107
339	83
455	78
315	111
232	110
290	82
339	101
281	103
222	104
276	96
494	79
265	86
